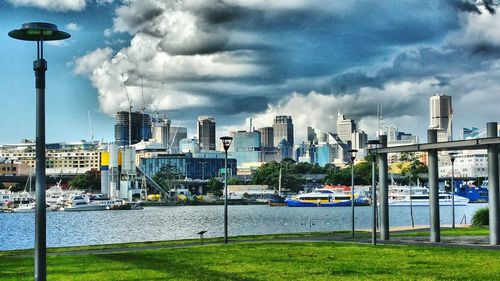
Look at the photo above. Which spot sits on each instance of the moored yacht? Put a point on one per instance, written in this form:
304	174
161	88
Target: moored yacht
419	196
324	197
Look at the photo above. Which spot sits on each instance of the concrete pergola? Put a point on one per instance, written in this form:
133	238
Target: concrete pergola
432	147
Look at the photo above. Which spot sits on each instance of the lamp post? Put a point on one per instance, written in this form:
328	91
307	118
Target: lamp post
40	32
226	143
352	153
452	159
373	144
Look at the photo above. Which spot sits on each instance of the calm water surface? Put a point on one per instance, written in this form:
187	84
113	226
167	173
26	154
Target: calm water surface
172	223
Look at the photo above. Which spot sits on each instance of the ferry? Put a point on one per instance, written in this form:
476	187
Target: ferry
324	197
476	194
419	196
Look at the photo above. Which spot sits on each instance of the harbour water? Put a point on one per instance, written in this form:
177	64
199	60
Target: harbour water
183	222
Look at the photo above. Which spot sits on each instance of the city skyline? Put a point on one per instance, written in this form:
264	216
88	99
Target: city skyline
241	58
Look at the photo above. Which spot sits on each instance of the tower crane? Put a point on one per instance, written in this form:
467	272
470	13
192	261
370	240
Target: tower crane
129	110
143	109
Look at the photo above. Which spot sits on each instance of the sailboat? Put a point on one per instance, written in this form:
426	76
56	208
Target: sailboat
277	199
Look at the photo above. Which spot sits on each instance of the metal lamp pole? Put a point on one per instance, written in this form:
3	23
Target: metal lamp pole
226	143
373	151
452	159
39	32
353	153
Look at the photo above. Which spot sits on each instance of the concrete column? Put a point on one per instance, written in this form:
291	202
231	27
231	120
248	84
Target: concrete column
493	185
384	190
433	188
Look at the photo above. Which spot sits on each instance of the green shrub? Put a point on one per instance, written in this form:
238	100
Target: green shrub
481	217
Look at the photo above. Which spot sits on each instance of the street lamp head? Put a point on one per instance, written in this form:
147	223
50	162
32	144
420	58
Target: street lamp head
352	153
226	142
452	155
39	31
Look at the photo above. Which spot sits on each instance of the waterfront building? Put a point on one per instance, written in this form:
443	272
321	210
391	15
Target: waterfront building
266	137
137	123
175	136
440	110
192	167
206	132
160	131
468	164
61	158
345	128
283	129
284	150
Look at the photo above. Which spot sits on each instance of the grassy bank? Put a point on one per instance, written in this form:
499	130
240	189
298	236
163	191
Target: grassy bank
267	261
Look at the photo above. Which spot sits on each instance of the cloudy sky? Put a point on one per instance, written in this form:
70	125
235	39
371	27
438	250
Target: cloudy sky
233	59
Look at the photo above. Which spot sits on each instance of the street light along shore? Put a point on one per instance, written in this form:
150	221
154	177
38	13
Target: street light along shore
40	32
226	143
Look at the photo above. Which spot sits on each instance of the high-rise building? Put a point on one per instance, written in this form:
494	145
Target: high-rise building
176	134
137	123
161	131
440	116
206	132
266	137
466	133
345	128
314	135
283	130
246	147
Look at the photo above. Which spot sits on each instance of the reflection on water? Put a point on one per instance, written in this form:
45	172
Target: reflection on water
172	223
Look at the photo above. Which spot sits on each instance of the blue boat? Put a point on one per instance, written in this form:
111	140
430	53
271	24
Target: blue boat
324	197
476	194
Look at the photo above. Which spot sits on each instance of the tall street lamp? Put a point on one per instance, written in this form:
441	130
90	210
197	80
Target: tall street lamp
226	143
373	145
352	153
452	159
40	32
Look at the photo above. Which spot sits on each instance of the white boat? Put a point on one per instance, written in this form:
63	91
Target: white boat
324	197
24	207
91	203
419	196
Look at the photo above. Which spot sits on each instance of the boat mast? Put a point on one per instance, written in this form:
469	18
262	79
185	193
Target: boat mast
279	184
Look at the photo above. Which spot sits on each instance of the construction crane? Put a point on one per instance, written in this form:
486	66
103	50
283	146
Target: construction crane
129	110
143	110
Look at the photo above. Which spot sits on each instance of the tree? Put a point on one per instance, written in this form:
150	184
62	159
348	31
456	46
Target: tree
89	180
215	186
168	177
268	174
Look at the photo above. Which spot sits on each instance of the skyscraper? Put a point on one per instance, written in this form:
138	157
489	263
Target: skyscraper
175	136
206	132
441	116
160	131
137	123
283	129
266	137
345	128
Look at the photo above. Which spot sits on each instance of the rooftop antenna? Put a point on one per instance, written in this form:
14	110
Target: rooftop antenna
129	110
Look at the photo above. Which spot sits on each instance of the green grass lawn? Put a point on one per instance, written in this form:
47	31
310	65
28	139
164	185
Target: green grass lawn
268	261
